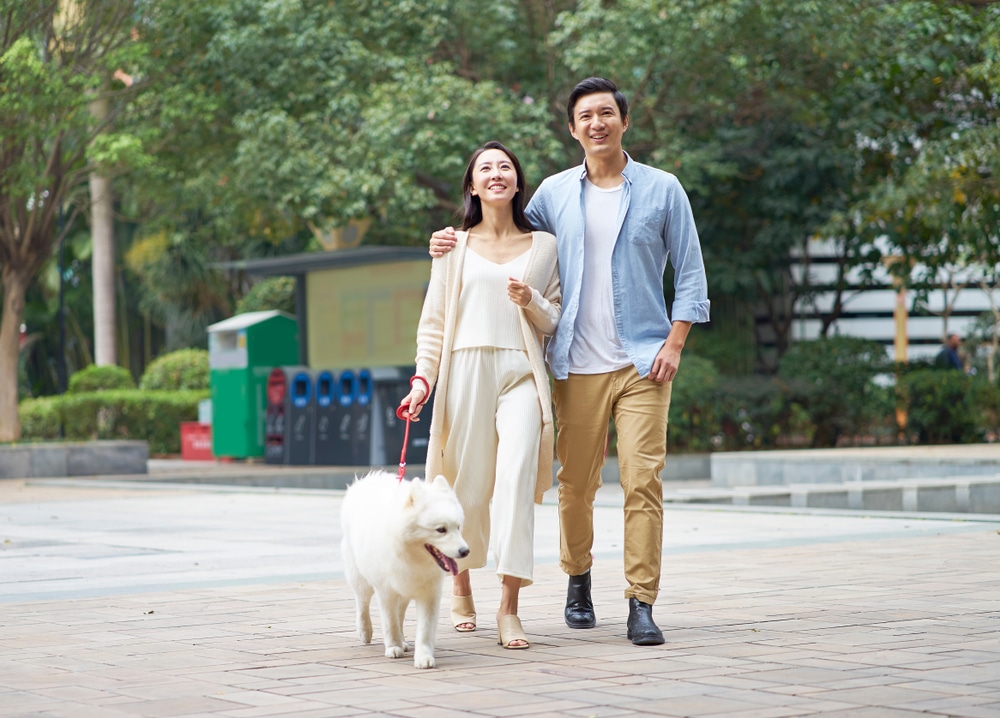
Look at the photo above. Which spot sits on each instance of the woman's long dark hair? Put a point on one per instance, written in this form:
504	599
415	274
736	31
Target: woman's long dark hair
473	208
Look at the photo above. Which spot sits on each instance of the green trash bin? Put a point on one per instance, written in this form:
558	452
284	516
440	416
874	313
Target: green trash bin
242	350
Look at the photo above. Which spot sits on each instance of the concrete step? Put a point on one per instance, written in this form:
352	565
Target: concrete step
948	494
835	466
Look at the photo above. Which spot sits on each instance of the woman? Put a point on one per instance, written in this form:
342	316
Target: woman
488	305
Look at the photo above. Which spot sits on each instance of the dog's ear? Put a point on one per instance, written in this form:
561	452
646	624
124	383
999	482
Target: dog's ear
440	482
416	488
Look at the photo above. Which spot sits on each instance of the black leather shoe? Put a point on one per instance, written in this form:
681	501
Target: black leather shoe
641	629
579	611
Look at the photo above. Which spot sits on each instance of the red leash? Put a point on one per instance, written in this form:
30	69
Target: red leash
405	414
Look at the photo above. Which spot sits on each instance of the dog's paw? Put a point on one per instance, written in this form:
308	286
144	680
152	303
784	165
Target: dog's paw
395	651
365	635
423	661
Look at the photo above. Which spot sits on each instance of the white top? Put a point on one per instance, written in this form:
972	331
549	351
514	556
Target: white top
486	316
596	348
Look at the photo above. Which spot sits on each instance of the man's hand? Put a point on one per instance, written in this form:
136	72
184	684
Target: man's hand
665	365
442	242
519	292
668	359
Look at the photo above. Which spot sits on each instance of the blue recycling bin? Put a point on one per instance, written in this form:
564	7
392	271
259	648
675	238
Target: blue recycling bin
350	441
299	414
328	450
361	420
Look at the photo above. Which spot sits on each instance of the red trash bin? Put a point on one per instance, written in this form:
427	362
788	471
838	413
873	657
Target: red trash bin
196	441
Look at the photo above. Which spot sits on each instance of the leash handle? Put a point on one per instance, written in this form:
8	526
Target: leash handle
401	413
427	386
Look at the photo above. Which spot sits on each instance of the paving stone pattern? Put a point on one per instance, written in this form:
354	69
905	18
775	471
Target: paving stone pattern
197	602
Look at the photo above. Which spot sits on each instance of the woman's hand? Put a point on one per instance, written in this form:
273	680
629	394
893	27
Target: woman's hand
412	403
519	292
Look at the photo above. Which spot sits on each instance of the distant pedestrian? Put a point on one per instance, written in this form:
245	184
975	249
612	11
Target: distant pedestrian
948	357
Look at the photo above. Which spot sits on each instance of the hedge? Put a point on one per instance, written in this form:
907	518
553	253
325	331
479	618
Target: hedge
834	381
831	392
945	406
731	414
183	369
97	378
151	416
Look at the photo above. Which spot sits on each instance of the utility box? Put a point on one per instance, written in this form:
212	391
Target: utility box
242	350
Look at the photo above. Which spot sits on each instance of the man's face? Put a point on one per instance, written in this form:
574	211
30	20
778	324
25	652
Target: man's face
954	342
598	125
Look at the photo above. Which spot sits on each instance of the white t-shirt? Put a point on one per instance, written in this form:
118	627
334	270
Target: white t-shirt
596	348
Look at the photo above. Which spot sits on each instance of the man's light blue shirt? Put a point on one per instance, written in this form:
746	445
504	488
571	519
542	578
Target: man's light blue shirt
654	223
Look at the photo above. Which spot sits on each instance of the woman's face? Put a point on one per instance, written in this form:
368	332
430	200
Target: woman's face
494	178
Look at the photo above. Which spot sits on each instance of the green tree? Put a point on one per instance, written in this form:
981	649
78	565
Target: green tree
51	58
272	122
934	201
269	294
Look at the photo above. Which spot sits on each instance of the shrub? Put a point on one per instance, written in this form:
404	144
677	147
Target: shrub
752	413
946	406
150	416
98	378
709	412
833	380
691	404
267	294
184	369
40	418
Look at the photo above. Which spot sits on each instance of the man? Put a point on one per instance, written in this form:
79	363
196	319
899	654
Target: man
615	351
948	357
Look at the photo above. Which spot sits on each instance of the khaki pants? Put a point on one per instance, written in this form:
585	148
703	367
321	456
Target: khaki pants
584	403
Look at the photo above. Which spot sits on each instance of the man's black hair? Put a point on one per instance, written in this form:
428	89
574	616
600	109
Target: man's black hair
593	85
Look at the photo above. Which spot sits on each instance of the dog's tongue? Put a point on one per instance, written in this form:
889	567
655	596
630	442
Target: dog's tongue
447	563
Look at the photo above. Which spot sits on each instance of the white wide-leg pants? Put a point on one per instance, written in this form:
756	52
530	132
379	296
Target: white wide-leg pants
493	428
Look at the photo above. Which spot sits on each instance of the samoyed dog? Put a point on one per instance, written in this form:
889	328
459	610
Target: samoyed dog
400	539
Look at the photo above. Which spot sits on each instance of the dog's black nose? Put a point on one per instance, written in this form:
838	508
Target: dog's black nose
463	553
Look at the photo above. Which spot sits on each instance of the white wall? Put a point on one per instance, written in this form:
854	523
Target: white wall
869	313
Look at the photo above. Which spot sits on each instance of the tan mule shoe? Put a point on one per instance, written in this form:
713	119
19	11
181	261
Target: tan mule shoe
463	612
510	630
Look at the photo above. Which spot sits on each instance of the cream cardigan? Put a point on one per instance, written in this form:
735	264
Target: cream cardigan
436	336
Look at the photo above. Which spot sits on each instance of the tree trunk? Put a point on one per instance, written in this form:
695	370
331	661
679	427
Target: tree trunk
103	259
14	286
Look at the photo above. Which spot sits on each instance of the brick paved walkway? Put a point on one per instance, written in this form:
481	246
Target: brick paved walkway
188	602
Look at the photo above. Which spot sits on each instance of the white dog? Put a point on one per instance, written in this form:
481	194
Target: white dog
398	538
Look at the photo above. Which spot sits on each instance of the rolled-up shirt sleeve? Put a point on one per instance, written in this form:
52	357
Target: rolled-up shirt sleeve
691	303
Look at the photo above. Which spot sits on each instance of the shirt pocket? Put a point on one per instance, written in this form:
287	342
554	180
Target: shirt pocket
645	227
